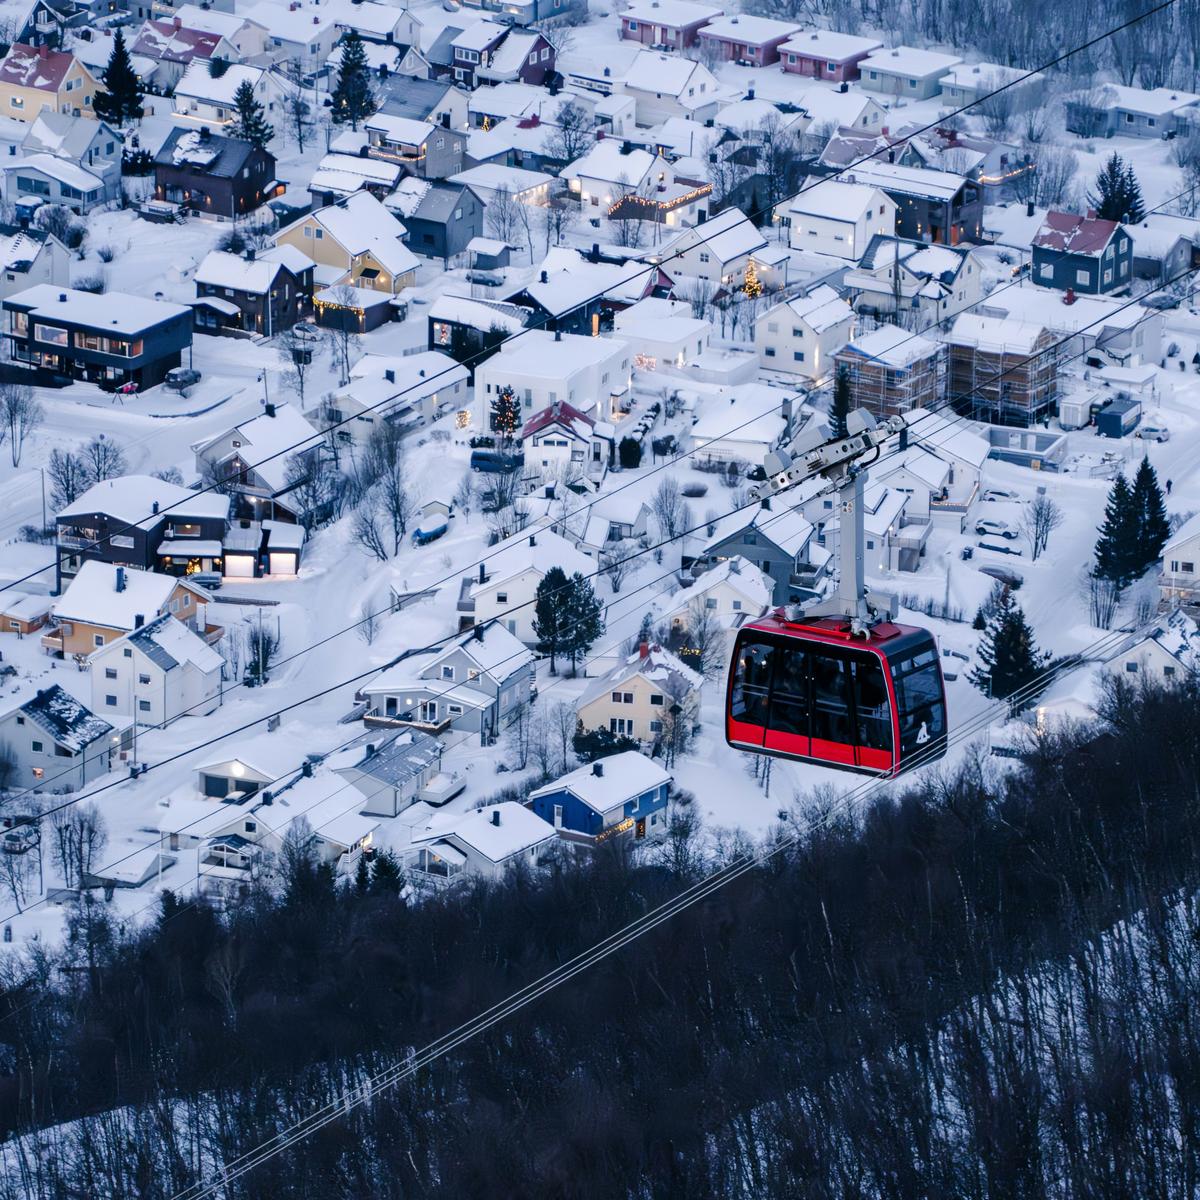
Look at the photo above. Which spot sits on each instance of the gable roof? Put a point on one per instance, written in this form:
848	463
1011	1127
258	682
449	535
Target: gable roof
360	224
199	83
821	309
666	75
534	549
834	198
64	135
727	236
92	596
621	778
892	346
171	41
562	414
491	647
737	572
391	757
207	152
784	528
36	67
169	643
519	829
1070	233
20	247
60	716
132	499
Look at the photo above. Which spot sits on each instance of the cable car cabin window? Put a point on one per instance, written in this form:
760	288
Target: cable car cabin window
748	699
922	708
832	721
789	711
872	706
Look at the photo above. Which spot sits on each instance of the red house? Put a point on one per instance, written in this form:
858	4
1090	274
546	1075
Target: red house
823	54
668	24
752	41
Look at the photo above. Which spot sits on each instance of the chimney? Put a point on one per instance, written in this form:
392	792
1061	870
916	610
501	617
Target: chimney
1029	209
495	816
266	798
598	769
370	748
904	438
478	632
843	88
154	508
204	133
120	583
43	52
750	92
558	335
1069	298
643	649
626	147
270	409
545	277
765	503
482	573
139	619
390	375
177	22
1091	214
62	297
306	769
532	540
595	255
249	253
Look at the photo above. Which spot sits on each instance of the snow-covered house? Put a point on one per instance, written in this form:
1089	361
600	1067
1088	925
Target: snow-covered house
931	205
837	218
662	334
621	795
892	371
202	99
269	293
356	241
665	85
31	256
1113	109
299	39
421	148
487	179
171	46
636	697
825	54
936	283
36	79
824	109
486	842
340	175
953	442
905	72
409	391
591	374
781	542
105	602
731	592
742	428
525	56
54	741
666	24
719	250
611	170
966	83
748	40
155	674
1167	654
614	517
478	682
505	584
246	36
80	142
391	769
562	440
213	176
801	336
1180	579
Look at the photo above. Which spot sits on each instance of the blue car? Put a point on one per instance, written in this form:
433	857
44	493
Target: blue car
424	534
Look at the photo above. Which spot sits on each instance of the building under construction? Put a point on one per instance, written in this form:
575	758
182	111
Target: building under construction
891	371
1004	371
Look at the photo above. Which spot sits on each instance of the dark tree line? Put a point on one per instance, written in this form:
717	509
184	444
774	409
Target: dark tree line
985	988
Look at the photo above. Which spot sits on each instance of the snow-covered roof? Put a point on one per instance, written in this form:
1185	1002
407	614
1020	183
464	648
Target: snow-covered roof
538	354
288	256
170	643
327	802
908	60
360	224
269	442
25	607
892	346
947	437
605	161
199	16
518	830
116	312
479	36
492	649
985	75
1187	532
672	13
1095	314
736	572
834	198
132	500
92	596
1148	102
824	106
663	74
821	309
476	313
68	721
375	171
753	413
199	83
509	56
225	270
493	176
65	136
997	335
620	778
297	24
1073	233
748	29
399	130
830	45
911	181
727	236
538	550
393	757
36	67
786	528
61	169
174	43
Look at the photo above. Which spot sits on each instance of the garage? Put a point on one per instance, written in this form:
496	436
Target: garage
239	566
282	563
284	545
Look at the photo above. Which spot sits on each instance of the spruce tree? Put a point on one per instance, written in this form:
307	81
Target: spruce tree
552	615
352	97
839	408
1117	552
251	123
121	99
1135	206
1150	510
1118	195
506	413
1009	657
387	875
586	620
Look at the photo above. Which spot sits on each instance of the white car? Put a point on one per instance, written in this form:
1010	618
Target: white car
1154	433
1000	494
988	528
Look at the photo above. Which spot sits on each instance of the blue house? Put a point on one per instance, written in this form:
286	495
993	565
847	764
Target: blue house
623	795
1087	255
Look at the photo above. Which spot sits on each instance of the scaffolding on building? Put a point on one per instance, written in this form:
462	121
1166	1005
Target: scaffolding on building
1003	376
890	380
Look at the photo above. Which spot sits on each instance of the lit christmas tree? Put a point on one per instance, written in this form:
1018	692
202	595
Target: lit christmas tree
506	413
753	285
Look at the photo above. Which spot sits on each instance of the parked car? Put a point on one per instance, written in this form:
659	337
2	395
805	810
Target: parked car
999	494
211	580
496	461
181	380
986	527
1153	433
424	534
950	661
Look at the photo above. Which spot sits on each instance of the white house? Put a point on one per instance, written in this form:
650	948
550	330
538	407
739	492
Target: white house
905	71
543	368
204	99
1180	579
801	336
967	82
561	438
825	109
1165	655
485	842
836	218
718	250
613	169
299	38
662	334
741	427
666	85
29	256
935	282
155	674
733	591
506	582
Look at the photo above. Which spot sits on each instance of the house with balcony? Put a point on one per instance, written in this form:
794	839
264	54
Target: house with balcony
55	742
750	41
110	340
420	148
221	178
826	54
391	768
268	293
892	371
485	843
36	79
619	796
562	441
103	603
478	682
932	284
141	522
157	673
666	24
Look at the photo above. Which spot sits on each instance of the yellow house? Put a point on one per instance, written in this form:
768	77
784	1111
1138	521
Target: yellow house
642	696
36	79
355	241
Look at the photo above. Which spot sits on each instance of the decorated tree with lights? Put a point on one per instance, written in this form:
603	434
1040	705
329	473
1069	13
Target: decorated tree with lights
506	413
352	98
753	286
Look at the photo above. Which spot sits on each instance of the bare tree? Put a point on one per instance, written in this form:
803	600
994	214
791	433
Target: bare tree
1186	153
572	134
997	108
345	333
368	528
518	734
21	415
705	649
368	621
503	219
299	119
103	459
671	510
700	294
558	219
79	837
1052	183
628	229
621	562
1042	517
297	350
68	477
464	496
312	485
563	723
1104	597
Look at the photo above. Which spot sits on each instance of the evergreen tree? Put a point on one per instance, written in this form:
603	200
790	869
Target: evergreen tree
1008	654
387	876
839	409
121	99
629	454
250	124
1151	512
352	97
1118	195
1117	552
586	620
506	412
552	614
362	876
753	285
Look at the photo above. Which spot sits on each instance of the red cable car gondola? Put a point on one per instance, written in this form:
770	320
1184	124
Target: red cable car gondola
815	691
